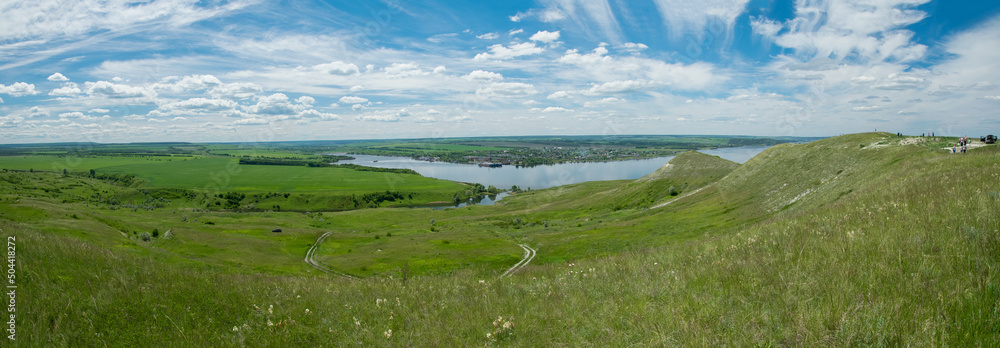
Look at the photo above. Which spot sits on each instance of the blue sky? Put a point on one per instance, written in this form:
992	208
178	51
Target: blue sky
249	70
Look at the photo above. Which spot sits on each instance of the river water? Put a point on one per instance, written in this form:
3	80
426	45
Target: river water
544	176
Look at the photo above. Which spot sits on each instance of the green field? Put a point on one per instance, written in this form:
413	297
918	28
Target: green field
858	240
224	174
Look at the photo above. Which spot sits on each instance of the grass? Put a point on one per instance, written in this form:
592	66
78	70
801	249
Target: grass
908	256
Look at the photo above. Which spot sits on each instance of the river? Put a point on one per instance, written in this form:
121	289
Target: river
544	176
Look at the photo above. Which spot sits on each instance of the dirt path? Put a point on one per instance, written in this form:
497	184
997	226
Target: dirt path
529	254
312	252
661	205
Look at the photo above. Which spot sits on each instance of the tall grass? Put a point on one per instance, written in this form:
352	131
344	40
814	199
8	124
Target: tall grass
911	257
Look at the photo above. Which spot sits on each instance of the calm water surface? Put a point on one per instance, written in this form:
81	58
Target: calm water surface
544	176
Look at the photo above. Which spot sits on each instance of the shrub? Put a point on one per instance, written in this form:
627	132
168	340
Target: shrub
145	237
156	232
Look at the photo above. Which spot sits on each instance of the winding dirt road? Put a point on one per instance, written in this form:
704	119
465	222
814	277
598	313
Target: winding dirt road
312	252
529	254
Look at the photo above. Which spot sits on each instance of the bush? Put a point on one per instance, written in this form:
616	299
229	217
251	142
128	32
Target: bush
145	237
156	232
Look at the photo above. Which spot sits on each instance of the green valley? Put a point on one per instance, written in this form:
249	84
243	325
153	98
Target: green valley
859	240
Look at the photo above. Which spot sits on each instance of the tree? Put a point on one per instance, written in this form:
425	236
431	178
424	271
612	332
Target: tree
93	173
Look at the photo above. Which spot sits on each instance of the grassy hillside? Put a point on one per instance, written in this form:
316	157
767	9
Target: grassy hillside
864	239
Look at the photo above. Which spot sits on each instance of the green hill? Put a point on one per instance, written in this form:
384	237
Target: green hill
858	240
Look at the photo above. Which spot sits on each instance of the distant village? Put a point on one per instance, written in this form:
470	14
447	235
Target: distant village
546	155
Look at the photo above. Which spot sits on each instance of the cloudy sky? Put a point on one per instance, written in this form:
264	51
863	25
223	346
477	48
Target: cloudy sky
252	70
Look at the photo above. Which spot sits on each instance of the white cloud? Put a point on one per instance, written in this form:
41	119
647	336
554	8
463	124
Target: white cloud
634	48
545	36
383	116
114	90
38	111
179	84
603	102
899	82
357	88
306	100
868	32
488	36
548	15
238	90
134	117
353	100
100	111
251	122
559	95
18	89
58	77
556	109
615	87
515	32
508	89
867	108
500	52
336	68
404	70
199	105
67	90
275	104
992	97
440	69
483	75
313	114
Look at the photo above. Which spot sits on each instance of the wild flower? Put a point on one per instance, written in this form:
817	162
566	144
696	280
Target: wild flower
270	309
388	333
236	329
502	329
307	311
357	322
482	281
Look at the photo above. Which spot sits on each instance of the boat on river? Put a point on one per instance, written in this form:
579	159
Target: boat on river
490	165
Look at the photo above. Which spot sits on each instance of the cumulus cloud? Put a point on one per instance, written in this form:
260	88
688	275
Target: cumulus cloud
114	90
556	109
545	36
275	104
18	89
501	52
353	100
404	70
179	84
313	114
336	68
559	95
58	77
68	89
507	89
483	75
357	88
199	105
238	90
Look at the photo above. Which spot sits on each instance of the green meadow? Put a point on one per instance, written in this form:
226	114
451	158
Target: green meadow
858	240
